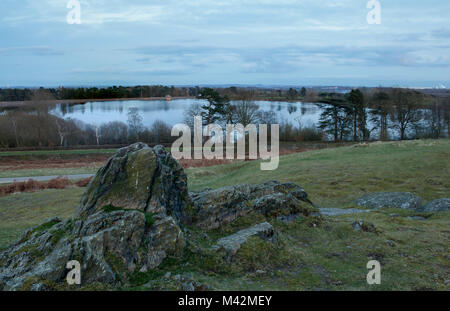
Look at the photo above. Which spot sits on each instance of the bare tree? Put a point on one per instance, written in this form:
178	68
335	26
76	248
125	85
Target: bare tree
245	112
406	112
195	110
114	132
135	122
160	132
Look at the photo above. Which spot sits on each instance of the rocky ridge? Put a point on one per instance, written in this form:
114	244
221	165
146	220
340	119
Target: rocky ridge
134	214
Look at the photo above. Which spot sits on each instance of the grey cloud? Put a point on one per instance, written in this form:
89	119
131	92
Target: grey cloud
34	50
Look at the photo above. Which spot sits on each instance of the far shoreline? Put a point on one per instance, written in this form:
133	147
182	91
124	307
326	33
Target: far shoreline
84	101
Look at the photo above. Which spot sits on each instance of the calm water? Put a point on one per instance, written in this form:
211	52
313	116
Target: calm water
172	112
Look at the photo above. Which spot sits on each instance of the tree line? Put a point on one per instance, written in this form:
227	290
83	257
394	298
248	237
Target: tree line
113	92
146	91
361	115
376	114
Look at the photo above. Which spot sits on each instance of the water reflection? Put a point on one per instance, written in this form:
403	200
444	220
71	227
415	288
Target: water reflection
172	112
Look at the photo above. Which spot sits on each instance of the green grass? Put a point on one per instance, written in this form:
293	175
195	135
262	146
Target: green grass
23	210
334	177
329	256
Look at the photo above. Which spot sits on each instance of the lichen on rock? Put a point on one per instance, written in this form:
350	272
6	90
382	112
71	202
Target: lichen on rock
213	208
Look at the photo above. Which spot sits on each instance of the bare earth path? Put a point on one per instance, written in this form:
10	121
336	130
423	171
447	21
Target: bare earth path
43	178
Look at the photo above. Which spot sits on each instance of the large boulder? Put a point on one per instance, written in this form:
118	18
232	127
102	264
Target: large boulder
129	219
132	217
379	200
438	205
213	208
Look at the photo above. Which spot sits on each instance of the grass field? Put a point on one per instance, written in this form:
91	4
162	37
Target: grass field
415	254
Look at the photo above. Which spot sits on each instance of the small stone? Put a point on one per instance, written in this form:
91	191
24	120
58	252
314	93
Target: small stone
447	282
187	276
404	200
260	272
362	226
357	225
168	275
390	243
439	205
177	277
143	269
38	287
188	287
416	218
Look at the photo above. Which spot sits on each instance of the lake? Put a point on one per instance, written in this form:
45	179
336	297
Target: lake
172	112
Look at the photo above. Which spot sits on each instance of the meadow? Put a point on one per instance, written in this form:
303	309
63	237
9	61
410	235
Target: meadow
412	247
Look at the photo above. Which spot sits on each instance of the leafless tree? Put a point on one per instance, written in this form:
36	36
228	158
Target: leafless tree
245	112
405	112
135	122
160	132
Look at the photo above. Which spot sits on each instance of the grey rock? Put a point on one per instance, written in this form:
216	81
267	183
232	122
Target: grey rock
212	208
379	200
416	217
138	177
339	211
360	225
357	225
167	275
439	205
232	243
188	287
148	185
390	243
108	247
38	287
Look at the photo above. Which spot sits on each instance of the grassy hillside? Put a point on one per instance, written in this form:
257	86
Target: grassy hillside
336	176
414	252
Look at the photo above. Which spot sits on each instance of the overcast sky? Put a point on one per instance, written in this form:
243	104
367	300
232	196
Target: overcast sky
272	42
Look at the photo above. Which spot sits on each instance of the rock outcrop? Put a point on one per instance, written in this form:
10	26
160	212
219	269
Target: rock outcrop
439	205
379	200
141	178
212	208
128	219
232	243
131	217
340	211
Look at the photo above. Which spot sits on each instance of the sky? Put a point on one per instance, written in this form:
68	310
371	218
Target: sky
232	42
